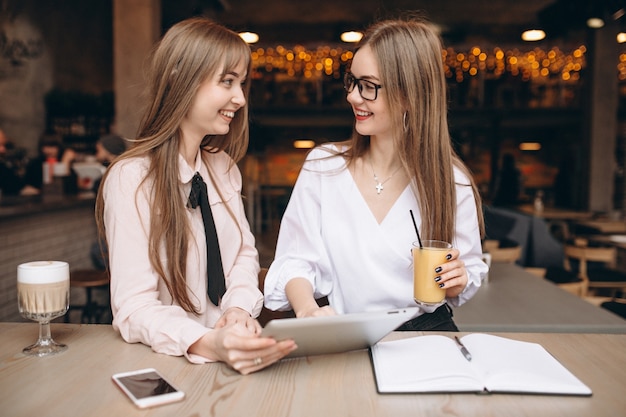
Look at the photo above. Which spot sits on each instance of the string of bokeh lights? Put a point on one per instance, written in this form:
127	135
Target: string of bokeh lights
535	64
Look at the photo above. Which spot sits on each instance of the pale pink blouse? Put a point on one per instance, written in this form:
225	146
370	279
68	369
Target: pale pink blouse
143	310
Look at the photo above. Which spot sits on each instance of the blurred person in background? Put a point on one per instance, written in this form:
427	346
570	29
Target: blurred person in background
10	181
108	148
52	151
508	183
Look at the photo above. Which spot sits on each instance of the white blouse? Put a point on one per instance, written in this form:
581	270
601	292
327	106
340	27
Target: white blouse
329	236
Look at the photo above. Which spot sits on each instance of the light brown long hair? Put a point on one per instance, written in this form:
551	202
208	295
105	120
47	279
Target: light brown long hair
409	56
191	52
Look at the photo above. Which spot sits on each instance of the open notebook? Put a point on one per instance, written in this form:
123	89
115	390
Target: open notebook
340	333
436	363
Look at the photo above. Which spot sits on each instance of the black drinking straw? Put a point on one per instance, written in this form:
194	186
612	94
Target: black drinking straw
415	226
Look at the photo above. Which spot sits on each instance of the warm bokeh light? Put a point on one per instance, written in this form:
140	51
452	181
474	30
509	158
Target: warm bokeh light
331	60
303	144
537	63
533	35
530	146
351	36
595	23
249	37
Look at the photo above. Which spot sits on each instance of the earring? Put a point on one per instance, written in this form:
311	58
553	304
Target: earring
405	124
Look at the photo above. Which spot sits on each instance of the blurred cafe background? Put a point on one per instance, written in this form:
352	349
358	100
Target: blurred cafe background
555	107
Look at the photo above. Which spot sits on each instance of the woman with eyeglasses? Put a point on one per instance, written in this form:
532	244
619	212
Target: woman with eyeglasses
347	231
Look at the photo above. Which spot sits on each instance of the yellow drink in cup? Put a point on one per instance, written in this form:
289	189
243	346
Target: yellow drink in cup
426	258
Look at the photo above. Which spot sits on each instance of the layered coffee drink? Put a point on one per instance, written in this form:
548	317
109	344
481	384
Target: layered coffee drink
43	289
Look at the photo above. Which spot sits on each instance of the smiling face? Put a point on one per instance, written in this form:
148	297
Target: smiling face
215	104
372	117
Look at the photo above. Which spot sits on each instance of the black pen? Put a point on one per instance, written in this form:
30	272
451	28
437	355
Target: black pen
464	350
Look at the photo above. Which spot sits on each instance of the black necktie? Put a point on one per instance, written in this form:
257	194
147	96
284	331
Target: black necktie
215	271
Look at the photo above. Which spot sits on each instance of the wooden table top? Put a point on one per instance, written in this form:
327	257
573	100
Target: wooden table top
78	381
619	241
604	226
554	213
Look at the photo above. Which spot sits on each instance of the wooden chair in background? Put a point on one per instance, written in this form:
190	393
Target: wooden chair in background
509	251
616	306
566	280
91	311
576	286
490	244
539	272
600	277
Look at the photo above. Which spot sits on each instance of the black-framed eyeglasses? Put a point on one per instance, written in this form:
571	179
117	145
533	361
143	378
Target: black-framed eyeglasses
367	89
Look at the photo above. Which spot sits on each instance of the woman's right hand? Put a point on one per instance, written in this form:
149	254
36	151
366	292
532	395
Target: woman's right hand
241	348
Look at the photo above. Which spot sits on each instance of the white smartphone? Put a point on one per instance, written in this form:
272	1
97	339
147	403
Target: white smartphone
147	388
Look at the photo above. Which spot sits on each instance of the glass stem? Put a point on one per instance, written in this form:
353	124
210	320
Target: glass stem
44	333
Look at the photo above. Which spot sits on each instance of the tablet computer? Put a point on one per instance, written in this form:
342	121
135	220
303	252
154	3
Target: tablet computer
340	333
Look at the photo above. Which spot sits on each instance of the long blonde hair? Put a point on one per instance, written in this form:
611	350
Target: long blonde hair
190	52
409	56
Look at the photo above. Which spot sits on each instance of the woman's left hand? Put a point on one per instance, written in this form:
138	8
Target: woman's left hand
237	315
452	274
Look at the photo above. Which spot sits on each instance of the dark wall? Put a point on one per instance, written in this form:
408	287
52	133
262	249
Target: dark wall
46	45
79	36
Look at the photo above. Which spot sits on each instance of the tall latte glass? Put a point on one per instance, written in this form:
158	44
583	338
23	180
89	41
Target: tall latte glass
43	294
427	257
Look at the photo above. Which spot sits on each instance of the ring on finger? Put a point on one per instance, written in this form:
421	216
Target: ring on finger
258	361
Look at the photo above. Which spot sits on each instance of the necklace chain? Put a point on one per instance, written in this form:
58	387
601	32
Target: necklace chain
380	184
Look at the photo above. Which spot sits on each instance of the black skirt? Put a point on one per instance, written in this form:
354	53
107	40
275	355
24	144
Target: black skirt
439	320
